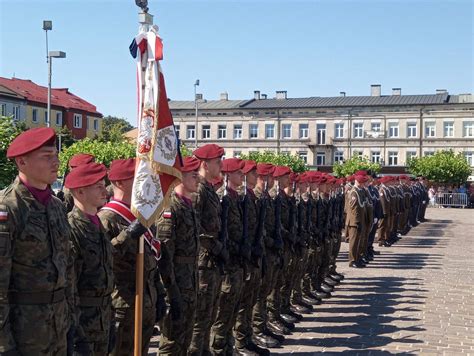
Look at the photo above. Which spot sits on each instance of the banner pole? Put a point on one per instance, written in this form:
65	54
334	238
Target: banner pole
139	298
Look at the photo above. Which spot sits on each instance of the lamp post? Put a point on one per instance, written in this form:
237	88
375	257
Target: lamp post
196	84
51	55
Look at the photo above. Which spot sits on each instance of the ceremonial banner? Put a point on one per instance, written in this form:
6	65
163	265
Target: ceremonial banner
159	159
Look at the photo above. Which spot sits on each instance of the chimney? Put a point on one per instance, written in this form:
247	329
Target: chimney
224	96
280	94
375	90
264	96
342	93
441	91
396	91
256	94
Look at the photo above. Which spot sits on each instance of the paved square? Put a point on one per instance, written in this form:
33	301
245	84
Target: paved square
417	297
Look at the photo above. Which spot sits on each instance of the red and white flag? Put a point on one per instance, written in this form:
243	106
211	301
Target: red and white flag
159	159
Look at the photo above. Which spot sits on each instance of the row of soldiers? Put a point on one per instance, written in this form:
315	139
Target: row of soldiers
243	250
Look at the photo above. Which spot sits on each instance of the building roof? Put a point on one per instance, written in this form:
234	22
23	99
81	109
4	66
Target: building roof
59	96
206	104
4	91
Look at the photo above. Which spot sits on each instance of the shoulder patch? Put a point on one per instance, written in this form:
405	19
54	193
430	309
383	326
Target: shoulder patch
3	215
167	214
353	198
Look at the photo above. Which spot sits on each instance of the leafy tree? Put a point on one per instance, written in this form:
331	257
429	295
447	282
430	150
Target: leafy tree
104	152
113	129
185	151
67	138
9	129
354	164
442	167
280	159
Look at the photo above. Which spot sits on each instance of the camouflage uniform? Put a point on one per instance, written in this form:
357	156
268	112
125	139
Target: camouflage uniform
36	280
232	281
93	264
123	295
314	250
208	210
179	238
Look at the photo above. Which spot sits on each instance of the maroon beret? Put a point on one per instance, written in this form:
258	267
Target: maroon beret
208	151
294	177
280	171
31	140
361	178
230	165
190	164
360	173
122	169
80	158
264	169
249	166
85	175
303	178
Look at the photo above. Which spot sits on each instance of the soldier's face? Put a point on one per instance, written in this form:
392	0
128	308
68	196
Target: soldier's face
284	181
190	181
214	167
236	178
252	178
40	165
94	195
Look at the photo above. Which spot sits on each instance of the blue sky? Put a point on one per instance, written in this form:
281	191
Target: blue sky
309	48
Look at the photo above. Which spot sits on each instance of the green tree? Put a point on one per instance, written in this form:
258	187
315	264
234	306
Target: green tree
104	152
67	138
113	129
280	159
442	167
9	129
354	164
185	151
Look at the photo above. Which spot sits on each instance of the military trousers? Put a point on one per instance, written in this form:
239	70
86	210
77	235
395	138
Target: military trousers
310	279
125	324
260	310
336	247
364	240
227	308
275	297
209	287
302	255
95	323
243	325
403	221
290	270
176	334
371	239
328	243
354	243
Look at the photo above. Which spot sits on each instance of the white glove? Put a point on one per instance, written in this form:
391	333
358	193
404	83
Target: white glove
375	220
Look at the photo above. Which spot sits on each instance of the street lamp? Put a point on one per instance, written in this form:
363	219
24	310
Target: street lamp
47	26
51	55
196	84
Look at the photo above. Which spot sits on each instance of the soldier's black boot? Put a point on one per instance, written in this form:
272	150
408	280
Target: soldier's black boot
266	340
278	327
287	324
279	338
298	317
288	318
257	349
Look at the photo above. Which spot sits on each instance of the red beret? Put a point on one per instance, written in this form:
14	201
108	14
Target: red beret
384	179
330	179
264	169
294	177
122	169
190	164
80	158
208	151
85	175
230	165
360	173
313	176
361	178
281	171
303	178
30	140
249	166
350	178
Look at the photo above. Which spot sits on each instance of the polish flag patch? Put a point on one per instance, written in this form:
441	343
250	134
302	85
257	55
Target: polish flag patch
3	216
167	214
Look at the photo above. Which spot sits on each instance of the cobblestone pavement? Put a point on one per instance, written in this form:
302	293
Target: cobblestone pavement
417	297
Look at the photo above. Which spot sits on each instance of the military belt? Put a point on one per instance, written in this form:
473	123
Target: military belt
185	259
87	301
32	298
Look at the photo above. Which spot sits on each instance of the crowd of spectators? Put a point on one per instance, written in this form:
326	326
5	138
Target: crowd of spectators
451	195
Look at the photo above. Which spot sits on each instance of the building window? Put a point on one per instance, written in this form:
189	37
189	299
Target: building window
338	156
357	153
304	156
358	130
16	112
375	126
320	159
206	132
468	129
190	132
304	131
428	153
269	131
253	130
237	154
375	156
95	123
286	131
3	111
469	158
448	129
339	130
321	132
393	129
78	121
393	158
176	130
411	129
410	155
237	132
430	129
59	120
35	115
221	131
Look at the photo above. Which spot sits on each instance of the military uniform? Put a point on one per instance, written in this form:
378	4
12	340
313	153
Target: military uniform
93	263
355	222
178	233
36	291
